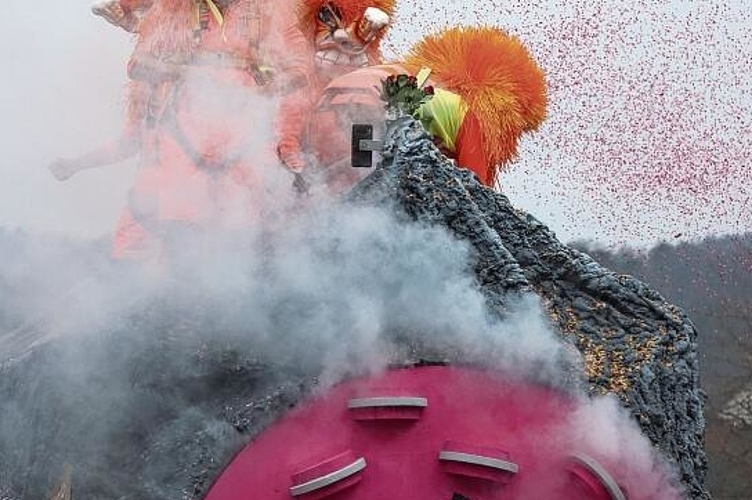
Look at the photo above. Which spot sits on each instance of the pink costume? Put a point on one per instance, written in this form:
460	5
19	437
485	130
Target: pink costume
211	67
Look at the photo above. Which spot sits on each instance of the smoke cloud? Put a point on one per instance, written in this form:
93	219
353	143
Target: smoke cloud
324	295
601	428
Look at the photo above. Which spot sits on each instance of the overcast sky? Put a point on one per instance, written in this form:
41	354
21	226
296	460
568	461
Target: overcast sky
648	135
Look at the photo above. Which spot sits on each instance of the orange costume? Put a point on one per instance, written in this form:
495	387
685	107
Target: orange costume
210	67
489	91
341	36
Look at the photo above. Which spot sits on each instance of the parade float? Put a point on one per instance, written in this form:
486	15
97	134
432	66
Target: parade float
422	139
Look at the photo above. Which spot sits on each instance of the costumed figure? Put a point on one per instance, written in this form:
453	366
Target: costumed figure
204	74
342	35
487	91
214	67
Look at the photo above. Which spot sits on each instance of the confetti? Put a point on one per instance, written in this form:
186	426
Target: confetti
649	127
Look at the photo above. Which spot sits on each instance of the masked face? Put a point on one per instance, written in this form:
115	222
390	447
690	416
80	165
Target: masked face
341	43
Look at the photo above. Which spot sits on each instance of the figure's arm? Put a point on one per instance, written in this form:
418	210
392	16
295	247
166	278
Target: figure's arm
292	54
294	113
124	147
290	51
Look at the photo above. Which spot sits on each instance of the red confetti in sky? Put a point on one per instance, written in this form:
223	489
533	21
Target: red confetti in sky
649	134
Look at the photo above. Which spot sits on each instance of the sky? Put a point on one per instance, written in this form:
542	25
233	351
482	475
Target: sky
62	87
647	138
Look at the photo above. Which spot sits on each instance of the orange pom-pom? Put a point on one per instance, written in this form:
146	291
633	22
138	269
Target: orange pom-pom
496	76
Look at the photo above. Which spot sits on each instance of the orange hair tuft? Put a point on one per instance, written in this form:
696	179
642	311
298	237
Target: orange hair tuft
495	75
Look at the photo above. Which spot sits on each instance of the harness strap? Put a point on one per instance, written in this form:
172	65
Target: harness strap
170	123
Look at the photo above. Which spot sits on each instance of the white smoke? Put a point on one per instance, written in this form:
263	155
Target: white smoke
356	277
335	292
602	428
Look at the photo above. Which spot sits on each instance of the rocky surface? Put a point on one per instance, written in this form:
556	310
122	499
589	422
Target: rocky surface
635	344
150	411
168	394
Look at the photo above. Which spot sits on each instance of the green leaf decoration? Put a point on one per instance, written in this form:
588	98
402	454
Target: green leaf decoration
404	92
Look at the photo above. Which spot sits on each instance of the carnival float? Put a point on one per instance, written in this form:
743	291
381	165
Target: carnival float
239	109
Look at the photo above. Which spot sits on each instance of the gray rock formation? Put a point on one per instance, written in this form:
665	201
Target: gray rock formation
635	344
174	385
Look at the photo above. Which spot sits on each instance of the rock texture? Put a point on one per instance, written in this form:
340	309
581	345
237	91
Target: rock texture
635	343
181	405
